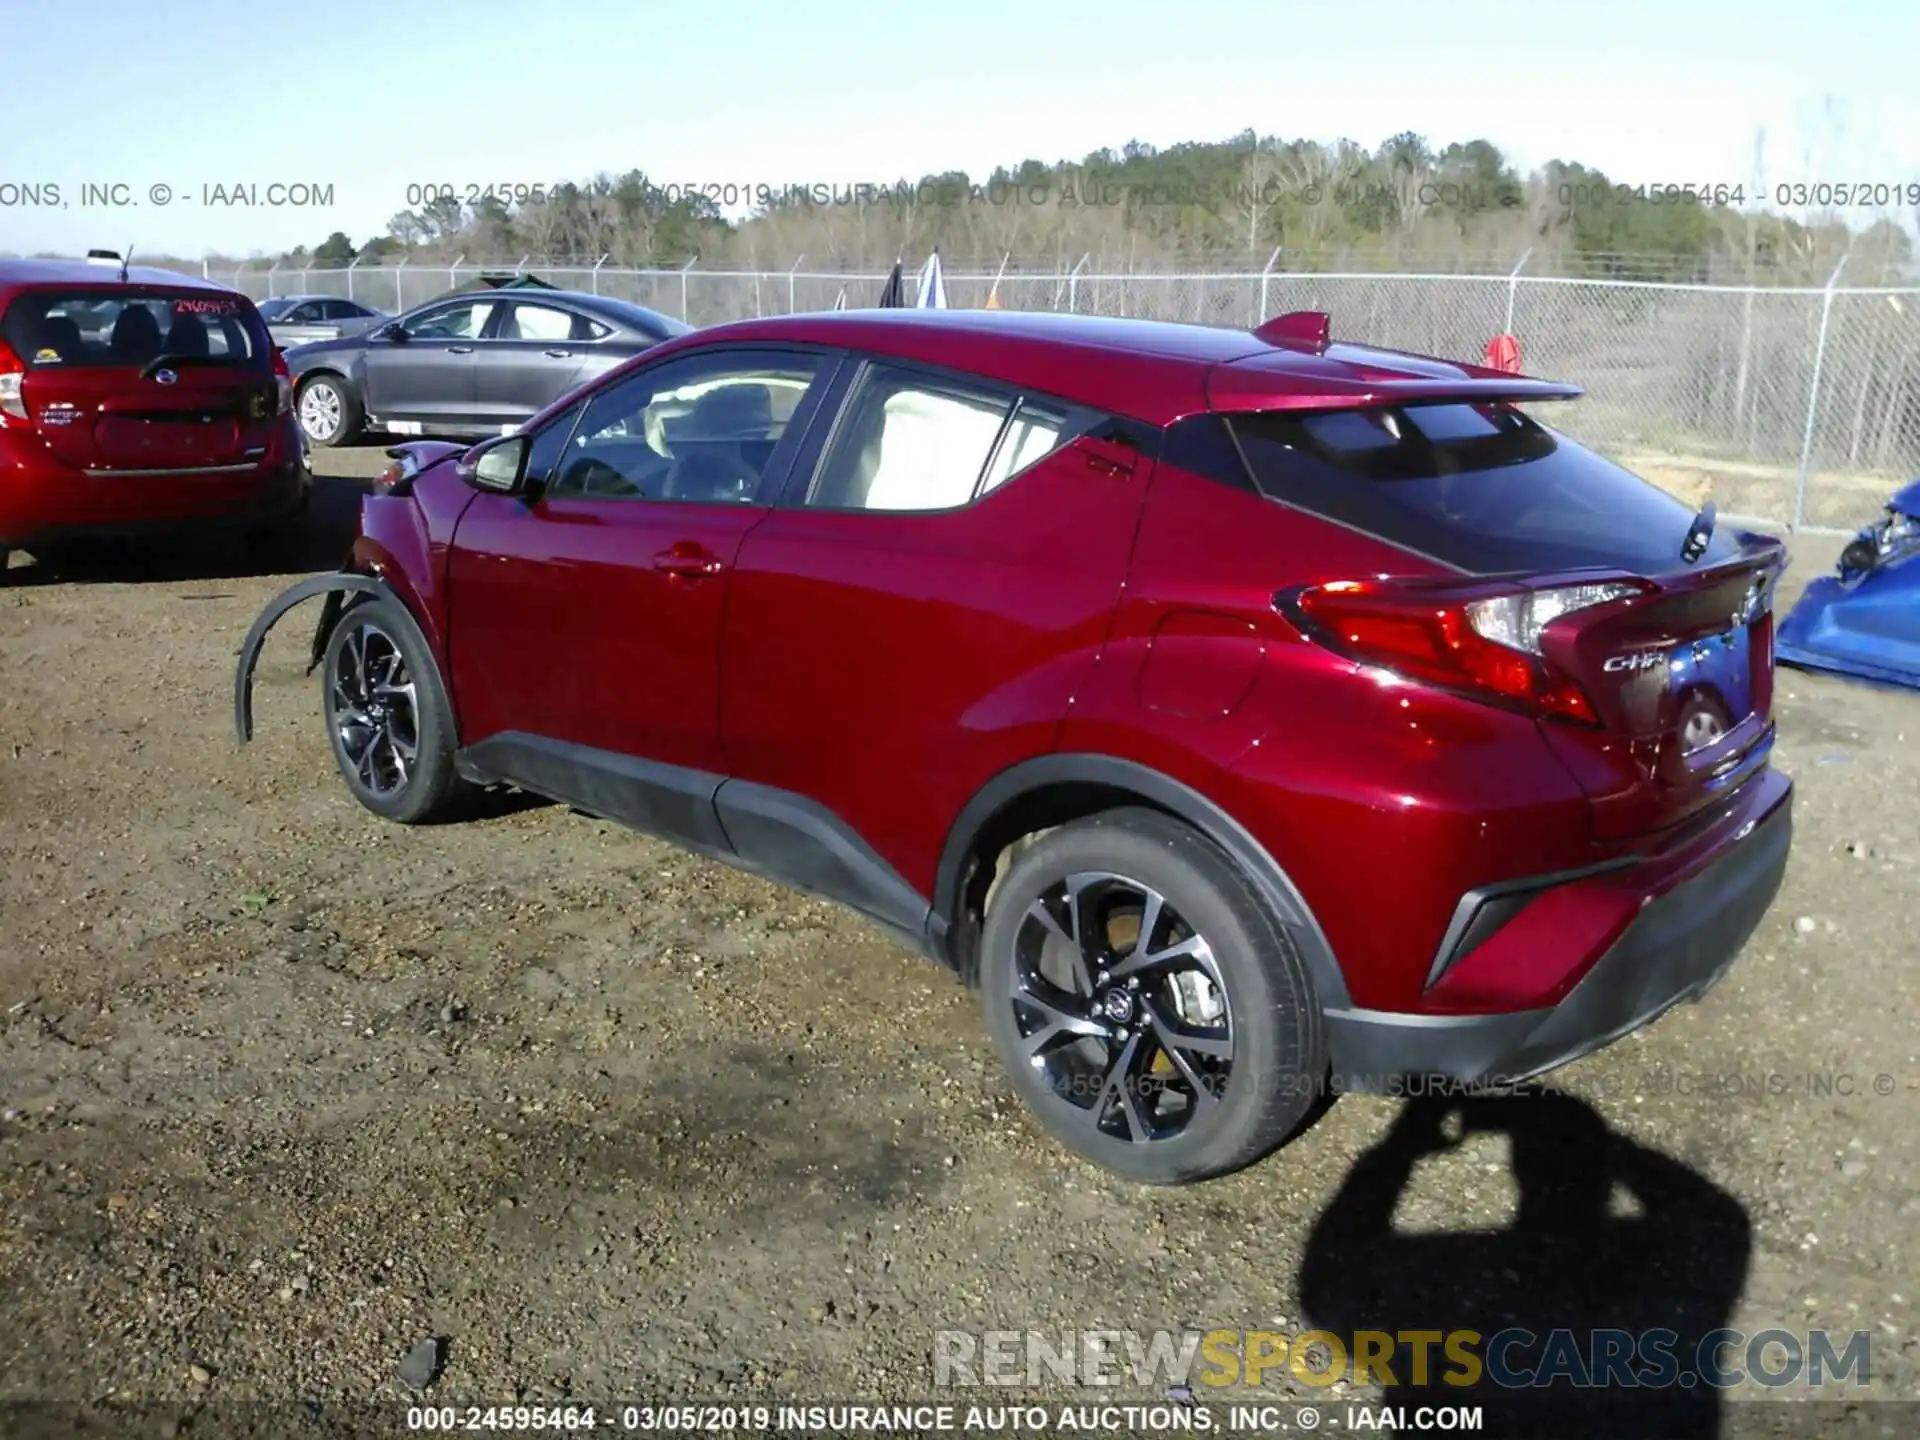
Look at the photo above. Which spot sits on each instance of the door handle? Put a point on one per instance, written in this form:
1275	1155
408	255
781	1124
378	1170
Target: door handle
559	354
460	349
688	562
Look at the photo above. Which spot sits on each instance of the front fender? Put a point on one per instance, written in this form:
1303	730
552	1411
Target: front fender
336	587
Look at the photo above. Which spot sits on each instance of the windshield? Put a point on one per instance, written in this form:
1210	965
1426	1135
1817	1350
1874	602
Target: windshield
273	309
1481	487
77	329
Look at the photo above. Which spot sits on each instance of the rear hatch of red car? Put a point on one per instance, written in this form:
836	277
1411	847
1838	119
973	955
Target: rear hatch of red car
1635	629
137	379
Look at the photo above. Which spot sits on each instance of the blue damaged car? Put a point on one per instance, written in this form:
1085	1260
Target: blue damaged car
1863	620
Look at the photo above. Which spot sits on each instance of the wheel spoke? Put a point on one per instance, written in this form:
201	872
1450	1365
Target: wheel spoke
1174	1043
363	766
399	759
1194	947
357	658
1069	935
1118	1086
1175	1037
1061	1025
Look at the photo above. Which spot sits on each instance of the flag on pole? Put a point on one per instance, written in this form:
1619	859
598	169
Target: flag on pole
993	295
933	290
894	297
840	301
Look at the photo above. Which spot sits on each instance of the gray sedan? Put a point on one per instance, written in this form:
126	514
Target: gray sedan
467	365
302	319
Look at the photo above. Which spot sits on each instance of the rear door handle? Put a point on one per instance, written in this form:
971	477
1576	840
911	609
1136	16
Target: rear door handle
460	349
688	562
559	354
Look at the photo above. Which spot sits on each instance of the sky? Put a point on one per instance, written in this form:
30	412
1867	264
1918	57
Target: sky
331	113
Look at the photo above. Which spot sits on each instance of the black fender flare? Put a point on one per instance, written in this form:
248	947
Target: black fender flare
336	587
1178	799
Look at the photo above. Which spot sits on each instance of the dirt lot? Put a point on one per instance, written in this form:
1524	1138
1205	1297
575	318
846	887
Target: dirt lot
288	1090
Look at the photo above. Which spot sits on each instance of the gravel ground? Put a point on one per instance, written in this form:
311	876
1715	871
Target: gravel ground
288	1091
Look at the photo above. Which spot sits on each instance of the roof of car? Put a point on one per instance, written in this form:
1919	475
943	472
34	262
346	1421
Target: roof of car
608	307
1153	370
95	274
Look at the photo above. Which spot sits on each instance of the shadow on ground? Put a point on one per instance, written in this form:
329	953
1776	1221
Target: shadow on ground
1607	1235
317	541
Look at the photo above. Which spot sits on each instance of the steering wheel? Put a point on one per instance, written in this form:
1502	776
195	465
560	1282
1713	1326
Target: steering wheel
713	476
596	477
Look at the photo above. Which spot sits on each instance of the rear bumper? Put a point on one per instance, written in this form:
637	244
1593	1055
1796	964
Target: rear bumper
1676	949
42	503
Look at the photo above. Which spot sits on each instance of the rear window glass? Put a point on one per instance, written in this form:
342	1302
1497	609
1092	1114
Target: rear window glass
72	329
1483	488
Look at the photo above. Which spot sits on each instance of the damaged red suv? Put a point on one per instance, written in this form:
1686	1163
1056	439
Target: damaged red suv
1245	715
135	402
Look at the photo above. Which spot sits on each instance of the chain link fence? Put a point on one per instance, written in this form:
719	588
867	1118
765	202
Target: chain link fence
1794	406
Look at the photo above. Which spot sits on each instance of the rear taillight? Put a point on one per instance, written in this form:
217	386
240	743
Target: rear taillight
13	405
283	381
1486	646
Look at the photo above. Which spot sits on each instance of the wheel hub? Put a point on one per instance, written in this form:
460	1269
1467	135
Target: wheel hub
1117	1005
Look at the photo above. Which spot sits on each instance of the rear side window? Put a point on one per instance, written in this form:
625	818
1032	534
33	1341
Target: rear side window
77	329
909	441
1483	488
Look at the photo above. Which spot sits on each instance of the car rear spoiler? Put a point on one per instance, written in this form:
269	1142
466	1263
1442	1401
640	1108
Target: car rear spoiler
1241	387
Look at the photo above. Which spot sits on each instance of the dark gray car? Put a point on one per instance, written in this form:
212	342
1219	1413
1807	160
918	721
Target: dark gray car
302	319
467	366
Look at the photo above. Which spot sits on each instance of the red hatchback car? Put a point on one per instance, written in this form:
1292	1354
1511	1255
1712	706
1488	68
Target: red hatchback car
1244	715
138	401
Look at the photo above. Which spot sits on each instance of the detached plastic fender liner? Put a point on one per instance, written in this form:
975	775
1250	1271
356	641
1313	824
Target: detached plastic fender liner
343	582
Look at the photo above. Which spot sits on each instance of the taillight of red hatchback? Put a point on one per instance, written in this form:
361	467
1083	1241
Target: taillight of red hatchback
13	403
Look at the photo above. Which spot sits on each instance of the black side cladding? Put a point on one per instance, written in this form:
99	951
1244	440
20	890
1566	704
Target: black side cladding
335	586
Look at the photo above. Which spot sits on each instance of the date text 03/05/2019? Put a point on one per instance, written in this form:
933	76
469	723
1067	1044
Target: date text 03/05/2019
923	1419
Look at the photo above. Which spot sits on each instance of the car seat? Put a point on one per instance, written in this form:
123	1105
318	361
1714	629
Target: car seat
725	447
188	336
61	334
136	335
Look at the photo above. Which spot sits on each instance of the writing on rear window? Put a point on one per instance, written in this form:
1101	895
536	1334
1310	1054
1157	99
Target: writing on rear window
122	329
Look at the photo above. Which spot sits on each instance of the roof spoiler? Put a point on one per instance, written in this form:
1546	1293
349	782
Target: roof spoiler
1232	388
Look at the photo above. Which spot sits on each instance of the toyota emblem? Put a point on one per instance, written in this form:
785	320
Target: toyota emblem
165	377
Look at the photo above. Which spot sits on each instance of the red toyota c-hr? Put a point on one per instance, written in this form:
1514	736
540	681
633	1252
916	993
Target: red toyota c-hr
138	401
1243	714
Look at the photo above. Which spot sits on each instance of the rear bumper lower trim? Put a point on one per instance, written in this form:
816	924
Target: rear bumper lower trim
245	467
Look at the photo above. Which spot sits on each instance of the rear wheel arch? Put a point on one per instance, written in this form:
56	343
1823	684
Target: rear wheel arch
1020	804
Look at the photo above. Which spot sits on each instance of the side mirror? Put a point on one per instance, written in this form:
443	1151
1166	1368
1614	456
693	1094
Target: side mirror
392	330
499	464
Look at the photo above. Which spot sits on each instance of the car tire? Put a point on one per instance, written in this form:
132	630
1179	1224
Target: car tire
1211	1093
328	411
387	714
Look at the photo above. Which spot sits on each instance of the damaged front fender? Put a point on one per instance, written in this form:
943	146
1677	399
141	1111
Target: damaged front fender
336	587
1863	620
